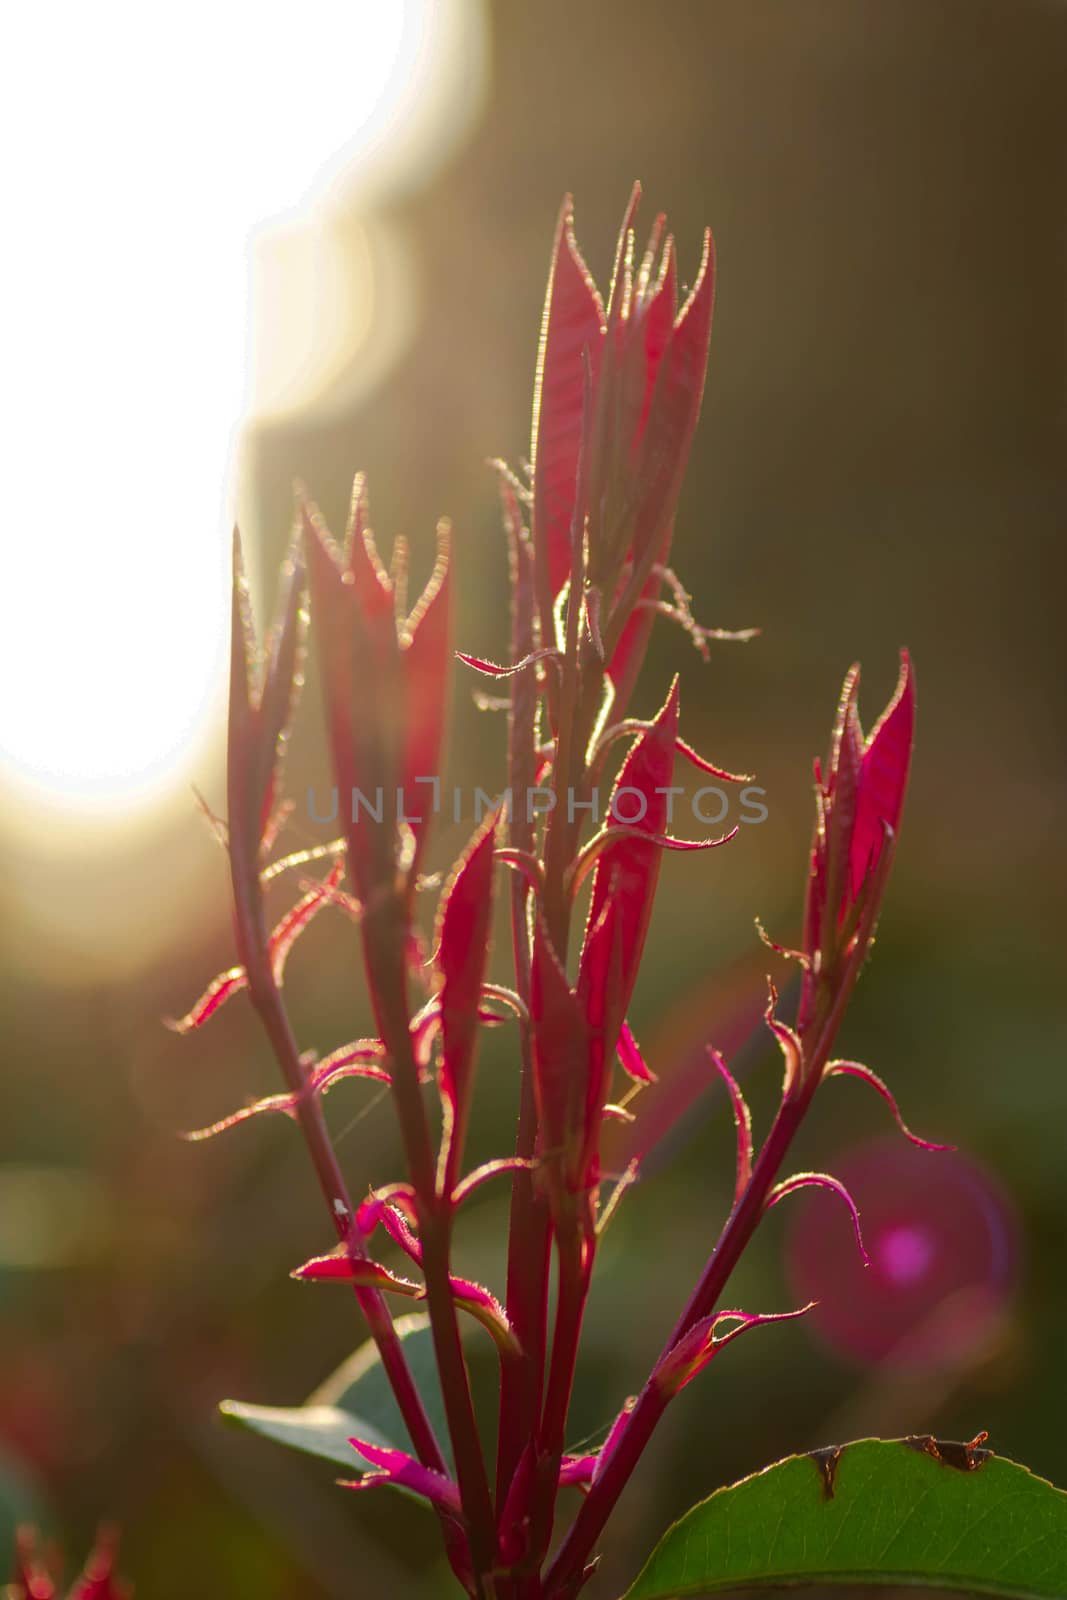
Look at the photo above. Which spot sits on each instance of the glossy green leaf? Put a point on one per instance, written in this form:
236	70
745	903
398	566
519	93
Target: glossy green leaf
355	1401
895	1512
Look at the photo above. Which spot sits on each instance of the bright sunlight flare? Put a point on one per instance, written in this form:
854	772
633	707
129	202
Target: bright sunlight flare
145	157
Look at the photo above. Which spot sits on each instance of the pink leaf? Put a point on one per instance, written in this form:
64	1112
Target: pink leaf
822	1180
601	995
858	804
576	1471
884	778
425	660
788	1040
855	1069
463	950
492	670
378	1210
351	1061
489	1169
672	411
742	1122
561	1055
628	868
263	692
397	1467
292	925
699	762
214	997
340	1266
285	1103
729	1007
618	1427
479	1303
356	634
658	320
630	1058
283	676
573	323
703	1341
32	1581
362	1059
98	1580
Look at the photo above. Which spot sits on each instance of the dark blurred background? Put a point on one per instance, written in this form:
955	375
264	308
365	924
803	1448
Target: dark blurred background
879	463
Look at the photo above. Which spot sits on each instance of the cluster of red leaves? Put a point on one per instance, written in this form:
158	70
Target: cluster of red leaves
618	393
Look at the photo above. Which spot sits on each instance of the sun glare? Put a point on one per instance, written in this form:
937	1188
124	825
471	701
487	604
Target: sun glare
148	150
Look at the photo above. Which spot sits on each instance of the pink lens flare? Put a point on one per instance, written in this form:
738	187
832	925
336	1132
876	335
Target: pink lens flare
945	1252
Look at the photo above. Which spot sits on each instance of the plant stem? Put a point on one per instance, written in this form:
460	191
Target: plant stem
575	1271
564	1577
270	1007
385	945
527	1299
521	1381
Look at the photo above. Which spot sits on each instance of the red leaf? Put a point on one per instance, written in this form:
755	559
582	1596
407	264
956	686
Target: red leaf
215	996
671	413
620	294
385	681
842	796
573	322
98	1580
397	1467
858	809
292	925
31	1579
630	868
341	1266
371	582
600	993
382	1210
703	1341
884	778
425	660
631	1060
742	1122
358	648
788	1040
561	1057
463	950
822	1180
855	1069
659	322
263	691
479	1303
492	669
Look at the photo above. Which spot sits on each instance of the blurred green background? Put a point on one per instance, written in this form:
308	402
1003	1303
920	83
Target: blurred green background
878	463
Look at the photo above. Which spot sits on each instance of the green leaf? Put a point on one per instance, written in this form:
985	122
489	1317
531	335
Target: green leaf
355	1401
322	1431
881	1511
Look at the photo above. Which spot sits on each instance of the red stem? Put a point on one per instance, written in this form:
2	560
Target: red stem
527	1298
521	1381
565	1576
385	947
271	1010
575	1271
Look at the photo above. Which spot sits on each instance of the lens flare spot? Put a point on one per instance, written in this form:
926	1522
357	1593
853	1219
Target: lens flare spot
944	1245
904	1254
